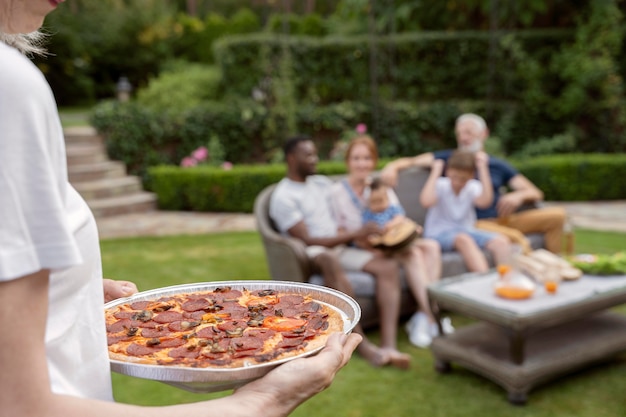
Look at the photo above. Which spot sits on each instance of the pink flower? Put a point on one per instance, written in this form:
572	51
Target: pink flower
188	161
361	128
227	166
200	154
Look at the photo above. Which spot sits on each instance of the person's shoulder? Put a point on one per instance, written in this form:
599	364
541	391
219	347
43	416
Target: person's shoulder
442	154
496	160
321	180
20	80
14	66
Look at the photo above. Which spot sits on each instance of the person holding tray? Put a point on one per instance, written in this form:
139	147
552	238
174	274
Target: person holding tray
54	357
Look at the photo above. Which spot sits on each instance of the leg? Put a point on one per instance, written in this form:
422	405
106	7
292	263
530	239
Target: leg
472	255
385	270
514	235
388	297
419	327
431	252
500	248
548	220
335	277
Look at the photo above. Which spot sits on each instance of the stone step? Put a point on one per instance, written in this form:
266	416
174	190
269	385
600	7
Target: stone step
85	153
109	187
104	184
81	135
96	171
133	203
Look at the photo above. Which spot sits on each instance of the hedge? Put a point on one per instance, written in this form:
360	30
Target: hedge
576	177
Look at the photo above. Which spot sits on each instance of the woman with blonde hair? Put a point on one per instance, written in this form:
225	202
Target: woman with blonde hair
54	357
421	263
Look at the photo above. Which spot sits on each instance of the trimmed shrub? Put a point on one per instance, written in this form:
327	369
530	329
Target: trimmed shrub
574	177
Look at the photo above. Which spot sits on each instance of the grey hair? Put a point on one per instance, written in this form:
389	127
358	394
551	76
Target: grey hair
478	121
27	43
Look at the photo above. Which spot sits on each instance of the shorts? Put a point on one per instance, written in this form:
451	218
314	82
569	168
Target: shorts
446	239
350	259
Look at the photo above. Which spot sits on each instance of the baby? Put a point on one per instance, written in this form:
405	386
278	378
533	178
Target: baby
385	213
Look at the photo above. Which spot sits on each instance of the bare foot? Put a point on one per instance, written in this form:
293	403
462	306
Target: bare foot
398	359
373	354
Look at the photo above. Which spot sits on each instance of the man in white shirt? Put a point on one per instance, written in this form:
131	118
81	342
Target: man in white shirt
300	208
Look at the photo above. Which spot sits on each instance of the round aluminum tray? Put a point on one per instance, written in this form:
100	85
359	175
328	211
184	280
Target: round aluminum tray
211	379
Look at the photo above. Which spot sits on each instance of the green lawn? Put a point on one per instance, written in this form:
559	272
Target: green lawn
360	390
74	116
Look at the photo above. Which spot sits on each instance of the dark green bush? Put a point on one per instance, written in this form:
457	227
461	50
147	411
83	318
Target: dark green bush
578	177
181	88
213	189
574	177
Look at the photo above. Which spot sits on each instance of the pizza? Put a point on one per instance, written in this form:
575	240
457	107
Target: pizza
221	328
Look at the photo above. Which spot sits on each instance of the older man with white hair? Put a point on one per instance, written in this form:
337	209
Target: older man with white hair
471	133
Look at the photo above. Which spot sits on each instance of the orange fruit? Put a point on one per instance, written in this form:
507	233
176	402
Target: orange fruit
503	269
514	293
550	286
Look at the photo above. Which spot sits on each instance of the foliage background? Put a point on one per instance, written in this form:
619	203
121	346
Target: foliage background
548	76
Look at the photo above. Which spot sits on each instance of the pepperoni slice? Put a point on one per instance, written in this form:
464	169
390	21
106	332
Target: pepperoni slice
151	333
291	342
124	314
135	349
196	304
208	332
168	317
291	300
111	340
184	352
119	326
260	333
172	342
246	343
140	305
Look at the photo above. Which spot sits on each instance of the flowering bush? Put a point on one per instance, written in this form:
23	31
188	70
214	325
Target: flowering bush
211	155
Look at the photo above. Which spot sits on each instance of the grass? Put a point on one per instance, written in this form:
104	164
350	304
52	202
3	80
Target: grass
74	116
360	390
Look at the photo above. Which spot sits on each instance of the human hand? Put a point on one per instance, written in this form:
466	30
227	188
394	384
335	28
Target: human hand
290	384
117	289
438	166
482	159
508	204
369	229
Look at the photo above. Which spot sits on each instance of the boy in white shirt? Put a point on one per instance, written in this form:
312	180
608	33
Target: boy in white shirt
451	203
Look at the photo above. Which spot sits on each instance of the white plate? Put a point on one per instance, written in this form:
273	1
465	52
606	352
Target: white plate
212	379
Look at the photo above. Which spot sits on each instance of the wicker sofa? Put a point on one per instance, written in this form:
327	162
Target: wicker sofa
287	259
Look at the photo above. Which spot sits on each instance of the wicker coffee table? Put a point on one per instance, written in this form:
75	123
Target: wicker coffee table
520	344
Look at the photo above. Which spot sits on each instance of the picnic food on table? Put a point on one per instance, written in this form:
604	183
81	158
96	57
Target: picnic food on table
538	262
513	284
601	264
223	328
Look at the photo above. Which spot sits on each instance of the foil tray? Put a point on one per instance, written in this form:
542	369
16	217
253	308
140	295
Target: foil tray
204	380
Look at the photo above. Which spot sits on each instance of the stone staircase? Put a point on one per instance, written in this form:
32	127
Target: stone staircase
103	183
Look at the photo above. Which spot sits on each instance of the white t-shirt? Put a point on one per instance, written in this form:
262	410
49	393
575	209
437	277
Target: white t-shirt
44	223
308	201
452	211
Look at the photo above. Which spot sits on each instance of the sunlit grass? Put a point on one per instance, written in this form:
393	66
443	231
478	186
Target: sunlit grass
360	390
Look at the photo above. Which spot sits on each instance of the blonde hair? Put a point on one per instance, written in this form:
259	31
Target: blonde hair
26	43
363	140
